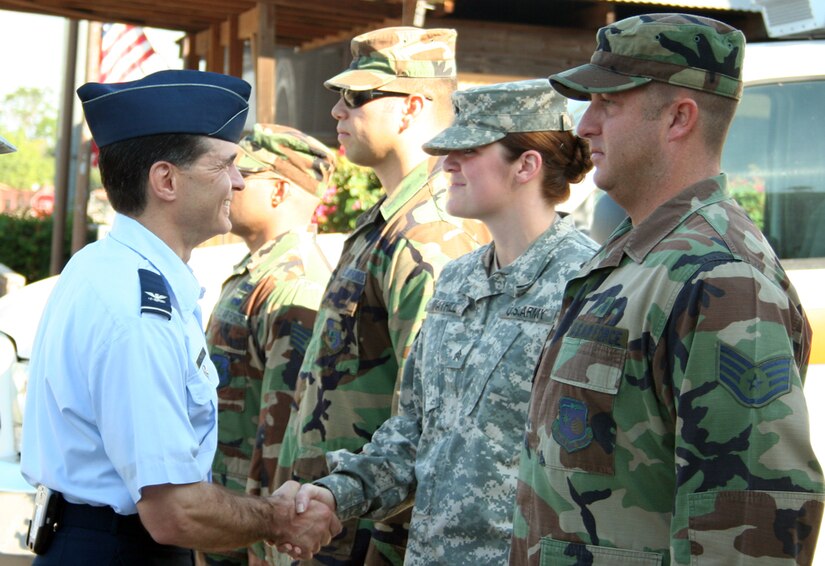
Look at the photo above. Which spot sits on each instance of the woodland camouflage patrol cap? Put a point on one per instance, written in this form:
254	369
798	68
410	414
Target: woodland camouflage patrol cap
389	57
679	49
487	113
292	154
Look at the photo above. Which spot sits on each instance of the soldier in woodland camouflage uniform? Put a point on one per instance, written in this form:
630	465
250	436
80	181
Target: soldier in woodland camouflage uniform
394	97
667	422
454	444
261	324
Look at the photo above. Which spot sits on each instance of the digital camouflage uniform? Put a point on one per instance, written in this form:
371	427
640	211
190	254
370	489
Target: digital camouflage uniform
369	317
464	395
667	422
261	324
454	444
374	303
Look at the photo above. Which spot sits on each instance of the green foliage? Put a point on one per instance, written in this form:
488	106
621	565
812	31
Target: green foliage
352	190
30	110
31	166
28	119
25	244
749	192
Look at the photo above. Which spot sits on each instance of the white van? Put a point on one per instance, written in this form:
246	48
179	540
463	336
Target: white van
775	160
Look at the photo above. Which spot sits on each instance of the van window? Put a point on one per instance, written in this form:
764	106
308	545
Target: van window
775	160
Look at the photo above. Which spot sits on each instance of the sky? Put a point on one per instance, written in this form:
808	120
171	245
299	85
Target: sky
32	51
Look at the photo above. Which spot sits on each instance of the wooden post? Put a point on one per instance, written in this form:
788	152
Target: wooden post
64	145
84	150
214	56
191	60
234	48
263	54
408	9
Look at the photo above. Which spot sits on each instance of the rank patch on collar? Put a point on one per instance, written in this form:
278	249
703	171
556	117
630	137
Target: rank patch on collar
154	296
570	429
754	384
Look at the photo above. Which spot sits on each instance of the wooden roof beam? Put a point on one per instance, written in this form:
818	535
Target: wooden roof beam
347	35
360	8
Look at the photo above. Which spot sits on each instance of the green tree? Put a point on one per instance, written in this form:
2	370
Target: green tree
26	243
28	119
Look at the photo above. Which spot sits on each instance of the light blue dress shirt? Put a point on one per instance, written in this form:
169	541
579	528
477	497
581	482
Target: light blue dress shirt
118	400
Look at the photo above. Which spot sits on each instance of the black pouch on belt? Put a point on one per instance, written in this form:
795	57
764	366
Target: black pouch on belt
43	523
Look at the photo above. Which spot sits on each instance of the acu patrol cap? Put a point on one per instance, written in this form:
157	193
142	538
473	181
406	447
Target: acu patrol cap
487	113
678	49
388	58
6	146
290	153
167	102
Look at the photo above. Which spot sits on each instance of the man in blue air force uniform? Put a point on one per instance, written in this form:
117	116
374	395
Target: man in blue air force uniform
121	408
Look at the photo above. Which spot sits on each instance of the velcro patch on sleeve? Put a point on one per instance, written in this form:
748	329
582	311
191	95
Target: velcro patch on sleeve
754	384
299	336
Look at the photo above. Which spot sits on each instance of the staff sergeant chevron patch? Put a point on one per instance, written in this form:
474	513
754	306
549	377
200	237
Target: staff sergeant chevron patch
753	384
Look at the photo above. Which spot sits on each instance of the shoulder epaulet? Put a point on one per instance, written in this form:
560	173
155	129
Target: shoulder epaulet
154	296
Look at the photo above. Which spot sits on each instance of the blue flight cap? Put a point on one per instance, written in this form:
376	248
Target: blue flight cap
167	102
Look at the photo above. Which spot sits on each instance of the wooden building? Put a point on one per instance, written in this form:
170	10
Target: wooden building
287	48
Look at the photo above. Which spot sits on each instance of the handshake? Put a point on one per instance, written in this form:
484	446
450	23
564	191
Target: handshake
308	519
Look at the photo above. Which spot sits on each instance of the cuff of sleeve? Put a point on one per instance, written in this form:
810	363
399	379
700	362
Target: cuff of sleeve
349	495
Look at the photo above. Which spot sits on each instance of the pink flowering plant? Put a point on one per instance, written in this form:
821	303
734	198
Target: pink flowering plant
749	192
352	190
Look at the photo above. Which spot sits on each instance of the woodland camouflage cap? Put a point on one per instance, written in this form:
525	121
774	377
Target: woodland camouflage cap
388	57
487	113
300	158
682	50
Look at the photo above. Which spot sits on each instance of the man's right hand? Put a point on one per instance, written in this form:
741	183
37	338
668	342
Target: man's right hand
305	520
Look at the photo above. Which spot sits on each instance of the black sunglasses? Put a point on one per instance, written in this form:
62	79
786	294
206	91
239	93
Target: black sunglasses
357	98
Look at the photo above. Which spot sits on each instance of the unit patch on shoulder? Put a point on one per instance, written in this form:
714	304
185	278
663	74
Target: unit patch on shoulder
154	296
754	384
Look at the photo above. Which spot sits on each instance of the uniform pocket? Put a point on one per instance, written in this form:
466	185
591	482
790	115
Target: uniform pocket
559	553
345	290
341	305
201	401
585	379
778	527
478	386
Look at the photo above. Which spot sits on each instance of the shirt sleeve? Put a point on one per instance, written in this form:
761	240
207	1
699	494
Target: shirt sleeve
283	332
747	480
380	480
146	394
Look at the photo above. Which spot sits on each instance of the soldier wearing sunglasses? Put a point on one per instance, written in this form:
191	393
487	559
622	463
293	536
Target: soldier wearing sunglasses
394	97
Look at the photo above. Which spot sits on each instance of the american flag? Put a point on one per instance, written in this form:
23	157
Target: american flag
126	54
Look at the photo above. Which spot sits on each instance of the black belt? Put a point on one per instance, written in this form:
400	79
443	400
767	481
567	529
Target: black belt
100	519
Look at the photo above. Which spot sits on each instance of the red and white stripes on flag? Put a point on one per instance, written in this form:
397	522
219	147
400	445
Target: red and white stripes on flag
126	54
